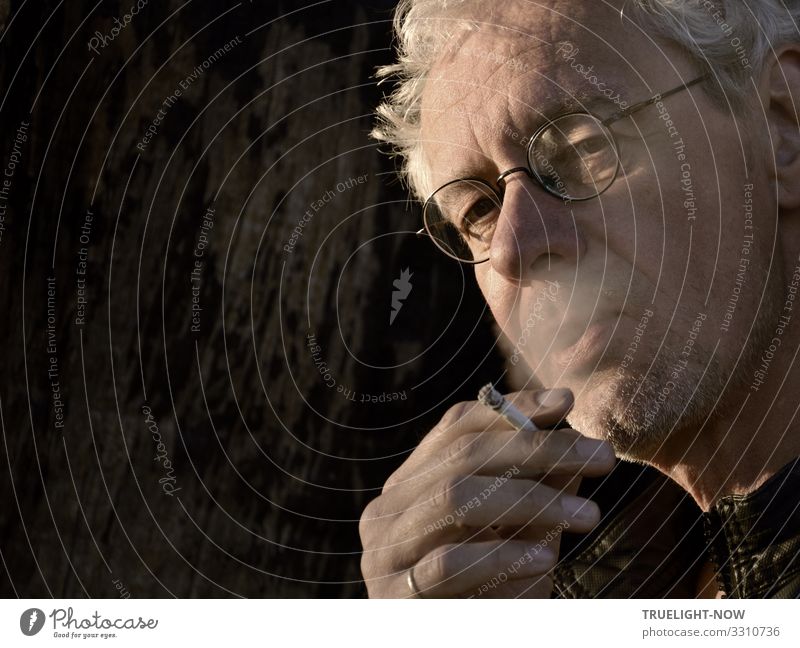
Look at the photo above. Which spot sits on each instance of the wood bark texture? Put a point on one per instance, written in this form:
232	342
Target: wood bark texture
202	387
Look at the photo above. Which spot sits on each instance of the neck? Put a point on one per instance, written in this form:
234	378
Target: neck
736	452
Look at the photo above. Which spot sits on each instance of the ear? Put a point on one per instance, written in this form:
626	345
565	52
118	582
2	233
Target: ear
780	91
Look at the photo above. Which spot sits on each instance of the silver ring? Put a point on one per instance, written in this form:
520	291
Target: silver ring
412	584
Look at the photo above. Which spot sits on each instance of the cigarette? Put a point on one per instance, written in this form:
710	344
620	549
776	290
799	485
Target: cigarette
492	398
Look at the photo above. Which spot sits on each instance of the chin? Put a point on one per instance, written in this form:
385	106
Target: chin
638	412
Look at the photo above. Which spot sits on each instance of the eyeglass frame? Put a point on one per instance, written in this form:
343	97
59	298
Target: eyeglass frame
499	190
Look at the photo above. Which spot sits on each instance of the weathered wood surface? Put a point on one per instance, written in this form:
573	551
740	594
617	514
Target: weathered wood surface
266	462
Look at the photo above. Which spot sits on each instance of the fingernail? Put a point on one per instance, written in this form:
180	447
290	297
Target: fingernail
543	554
579	508
593	450
552	397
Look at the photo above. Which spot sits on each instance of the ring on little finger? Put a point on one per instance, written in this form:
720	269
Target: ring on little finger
412	584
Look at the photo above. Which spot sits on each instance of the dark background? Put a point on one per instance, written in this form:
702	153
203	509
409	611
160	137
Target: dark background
270	464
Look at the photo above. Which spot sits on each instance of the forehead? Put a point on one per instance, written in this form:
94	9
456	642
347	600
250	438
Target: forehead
525	61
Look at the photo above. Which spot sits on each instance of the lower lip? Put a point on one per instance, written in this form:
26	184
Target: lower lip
586	352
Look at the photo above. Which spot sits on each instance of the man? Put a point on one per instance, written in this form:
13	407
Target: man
624	176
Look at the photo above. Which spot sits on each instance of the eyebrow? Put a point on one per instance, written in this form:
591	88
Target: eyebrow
535	119
572	103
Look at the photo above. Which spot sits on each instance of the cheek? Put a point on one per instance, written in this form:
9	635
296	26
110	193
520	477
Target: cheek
669	225
501	298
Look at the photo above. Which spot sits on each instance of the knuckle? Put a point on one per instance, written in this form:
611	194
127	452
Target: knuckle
370	519
392	481
439	564
536	442
367	566
463	449
445	494
374	570
448	425
454	414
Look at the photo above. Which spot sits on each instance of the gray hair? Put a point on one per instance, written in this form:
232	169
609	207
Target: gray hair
730	38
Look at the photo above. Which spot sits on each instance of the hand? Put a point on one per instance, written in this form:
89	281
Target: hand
478	507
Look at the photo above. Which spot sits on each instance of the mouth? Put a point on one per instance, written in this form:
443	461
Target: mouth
584	353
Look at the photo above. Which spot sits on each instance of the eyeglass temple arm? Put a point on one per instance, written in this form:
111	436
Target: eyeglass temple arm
649	102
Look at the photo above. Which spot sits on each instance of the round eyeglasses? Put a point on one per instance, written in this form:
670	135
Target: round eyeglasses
573	156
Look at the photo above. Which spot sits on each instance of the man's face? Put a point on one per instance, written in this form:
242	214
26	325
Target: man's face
645	300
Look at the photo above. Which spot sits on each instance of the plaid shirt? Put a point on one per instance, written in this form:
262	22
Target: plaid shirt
653	540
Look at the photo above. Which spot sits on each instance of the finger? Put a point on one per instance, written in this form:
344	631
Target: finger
478	502
545	408
535	587
385	551
567	484
532	454
537	454
469	568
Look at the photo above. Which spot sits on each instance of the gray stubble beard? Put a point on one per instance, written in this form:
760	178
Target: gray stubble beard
634	414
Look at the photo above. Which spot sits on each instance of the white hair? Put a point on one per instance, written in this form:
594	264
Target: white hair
715	33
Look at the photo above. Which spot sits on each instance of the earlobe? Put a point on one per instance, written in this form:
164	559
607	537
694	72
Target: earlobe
781	89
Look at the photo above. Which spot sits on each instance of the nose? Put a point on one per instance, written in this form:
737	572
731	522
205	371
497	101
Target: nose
536	237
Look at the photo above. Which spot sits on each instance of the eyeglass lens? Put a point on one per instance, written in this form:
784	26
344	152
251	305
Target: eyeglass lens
574	157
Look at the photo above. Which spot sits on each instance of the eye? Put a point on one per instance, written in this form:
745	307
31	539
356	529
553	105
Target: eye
478	217
591	146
